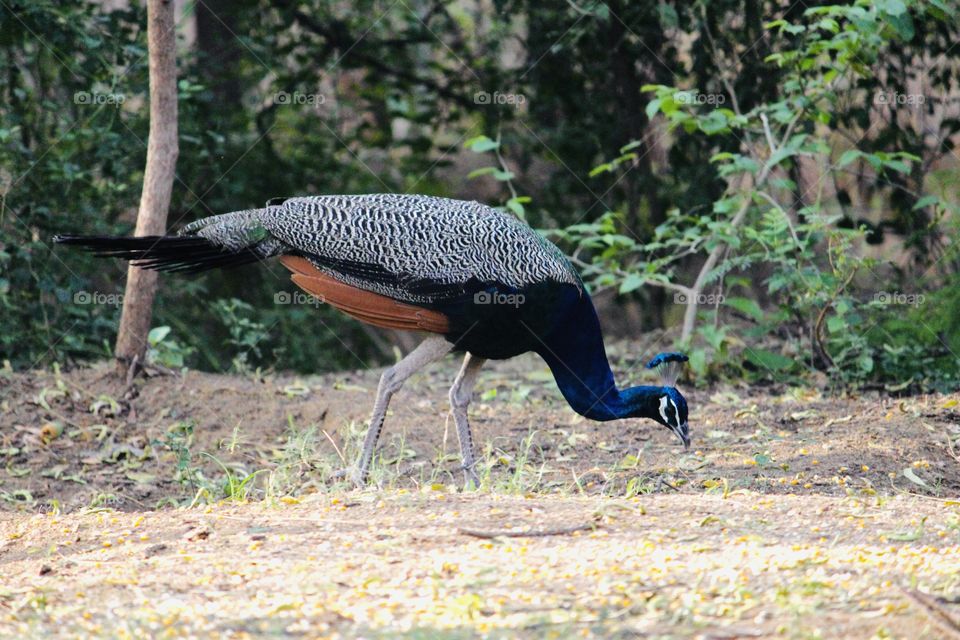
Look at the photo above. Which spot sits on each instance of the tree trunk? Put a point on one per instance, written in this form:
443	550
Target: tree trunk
158	177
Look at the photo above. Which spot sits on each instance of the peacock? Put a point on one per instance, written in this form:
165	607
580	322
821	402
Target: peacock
479	281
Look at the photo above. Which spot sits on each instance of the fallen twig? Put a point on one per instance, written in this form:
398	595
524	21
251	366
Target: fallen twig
662	481
155	369
542	533
920	495
950	448
939	615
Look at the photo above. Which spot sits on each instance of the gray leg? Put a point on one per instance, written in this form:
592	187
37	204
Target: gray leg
460	394
431	349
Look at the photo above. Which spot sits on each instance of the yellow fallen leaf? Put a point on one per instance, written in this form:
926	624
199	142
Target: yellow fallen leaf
50	431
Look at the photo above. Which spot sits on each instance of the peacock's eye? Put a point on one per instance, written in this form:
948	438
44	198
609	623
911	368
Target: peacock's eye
669	411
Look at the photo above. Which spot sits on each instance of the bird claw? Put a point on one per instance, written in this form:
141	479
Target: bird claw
471	481
351	474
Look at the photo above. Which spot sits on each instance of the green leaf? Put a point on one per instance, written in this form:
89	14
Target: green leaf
698	362
897	165
830	25
515	205
780	155
157	334
726	205
668	16
914	478
632	282
836	324
849	156
926	201
481	144
746	306
603	168
903	24
652	108
947	9
480	172
874	161
713	123
893	7
768	359
668	105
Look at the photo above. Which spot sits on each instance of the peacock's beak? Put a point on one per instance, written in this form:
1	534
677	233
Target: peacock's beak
683	432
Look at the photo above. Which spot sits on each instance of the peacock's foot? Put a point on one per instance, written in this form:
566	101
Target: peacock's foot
471	481
350	474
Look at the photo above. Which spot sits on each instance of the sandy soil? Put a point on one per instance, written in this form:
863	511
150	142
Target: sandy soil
795	514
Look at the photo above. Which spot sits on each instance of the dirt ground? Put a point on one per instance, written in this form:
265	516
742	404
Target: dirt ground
201	504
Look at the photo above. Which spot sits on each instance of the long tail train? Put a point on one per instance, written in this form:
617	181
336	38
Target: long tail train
183	254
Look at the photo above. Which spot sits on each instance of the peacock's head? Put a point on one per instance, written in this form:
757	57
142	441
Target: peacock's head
671	409
673	414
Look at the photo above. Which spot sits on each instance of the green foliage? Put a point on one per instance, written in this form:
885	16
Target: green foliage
73	124
65	156
236	485
164	350
246	334
818	278
282	98
500	173
178	442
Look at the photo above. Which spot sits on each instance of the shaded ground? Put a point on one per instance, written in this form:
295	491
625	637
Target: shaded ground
794	515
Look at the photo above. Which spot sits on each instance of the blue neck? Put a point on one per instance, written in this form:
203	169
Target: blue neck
575	354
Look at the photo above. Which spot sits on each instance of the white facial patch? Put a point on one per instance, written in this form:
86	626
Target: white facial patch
664	400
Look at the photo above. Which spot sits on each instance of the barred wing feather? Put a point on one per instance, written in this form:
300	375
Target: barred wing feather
417	249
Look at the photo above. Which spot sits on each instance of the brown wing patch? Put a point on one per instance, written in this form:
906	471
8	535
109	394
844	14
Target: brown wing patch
365	306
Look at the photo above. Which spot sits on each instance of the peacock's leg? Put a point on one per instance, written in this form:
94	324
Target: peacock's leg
460	394
431	349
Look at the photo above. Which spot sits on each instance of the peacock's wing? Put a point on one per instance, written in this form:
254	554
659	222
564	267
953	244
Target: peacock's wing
417	249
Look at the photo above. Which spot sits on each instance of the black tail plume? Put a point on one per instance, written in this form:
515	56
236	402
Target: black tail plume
184	254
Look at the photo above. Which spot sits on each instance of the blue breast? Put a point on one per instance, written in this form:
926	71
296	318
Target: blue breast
497	322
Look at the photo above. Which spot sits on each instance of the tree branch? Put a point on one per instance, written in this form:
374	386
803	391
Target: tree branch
339	38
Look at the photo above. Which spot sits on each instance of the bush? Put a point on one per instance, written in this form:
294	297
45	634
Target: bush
825	304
